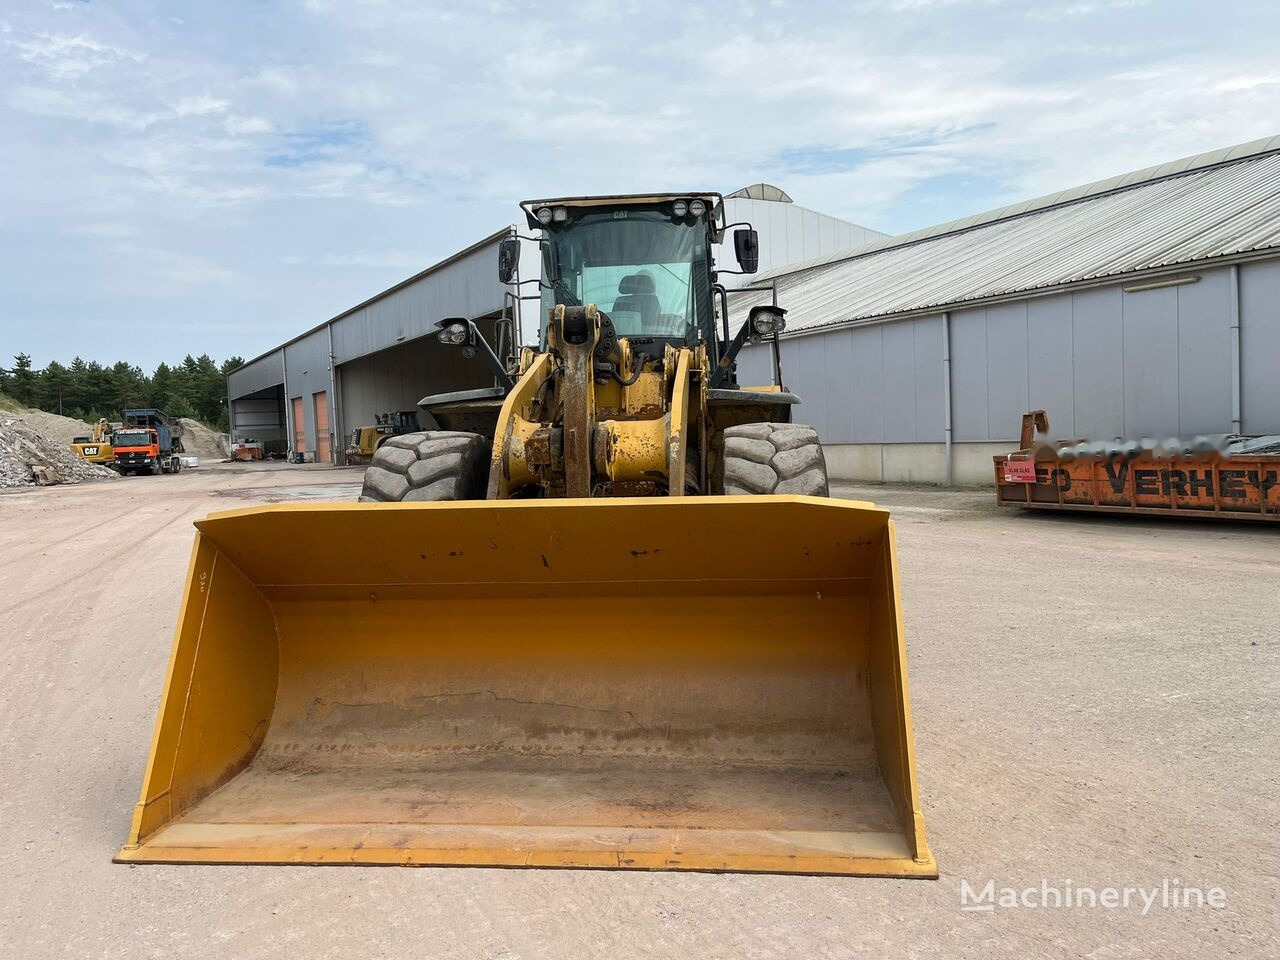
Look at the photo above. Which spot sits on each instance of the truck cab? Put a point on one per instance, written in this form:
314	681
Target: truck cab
148	442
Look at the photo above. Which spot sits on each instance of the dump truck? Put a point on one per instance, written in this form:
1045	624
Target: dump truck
148	442
97	446
604	616
1206	476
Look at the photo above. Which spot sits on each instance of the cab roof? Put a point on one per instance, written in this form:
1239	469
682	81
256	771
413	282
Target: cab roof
713	200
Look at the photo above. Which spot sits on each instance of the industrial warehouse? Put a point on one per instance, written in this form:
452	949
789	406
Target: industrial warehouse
1141	305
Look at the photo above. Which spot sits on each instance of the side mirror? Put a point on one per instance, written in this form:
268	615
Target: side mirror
746	244
508	259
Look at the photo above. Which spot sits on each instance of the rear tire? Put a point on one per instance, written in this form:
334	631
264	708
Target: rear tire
431	466
774	458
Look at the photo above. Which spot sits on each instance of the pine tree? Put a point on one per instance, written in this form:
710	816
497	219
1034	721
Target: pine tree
76	397
51	387
22	382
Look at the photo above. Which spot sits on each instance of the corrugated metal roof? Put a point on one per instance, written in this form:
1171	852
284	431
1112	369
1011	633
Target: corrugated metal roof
1221	204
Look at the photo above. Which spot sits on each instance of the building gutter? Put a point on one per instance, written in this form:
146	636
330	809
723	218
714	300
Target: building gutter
946	393
1236	413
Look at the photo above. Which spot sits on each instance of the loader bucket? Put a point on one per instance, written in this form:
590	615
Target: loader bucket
685	683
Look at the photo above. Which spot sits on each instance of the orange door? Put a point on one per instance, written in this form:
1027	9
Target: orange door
324	439
299	428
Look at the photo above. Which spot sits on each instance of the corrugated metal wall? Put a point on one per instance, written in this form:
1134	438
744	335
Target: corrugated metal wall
1260	347
307	369
467	287
1103	362
875	384
266	371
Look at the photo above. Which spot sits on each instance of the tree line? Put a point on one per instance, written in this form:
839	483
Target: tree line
87	390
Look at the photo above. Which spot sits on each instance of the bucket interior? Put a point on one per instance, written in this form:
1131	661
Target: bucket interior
700	684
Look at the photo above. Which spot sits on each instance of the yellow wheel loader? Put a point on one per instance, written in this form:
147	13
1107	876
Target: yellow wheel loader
365	441
604	616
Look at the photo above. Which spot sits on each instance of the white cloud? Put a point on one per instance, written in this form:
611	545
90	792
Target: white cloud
247	125
354	142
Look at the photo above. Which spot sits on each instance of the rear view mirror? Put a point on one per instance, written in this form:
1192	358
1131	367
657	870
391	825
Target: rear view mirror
746	244
508	258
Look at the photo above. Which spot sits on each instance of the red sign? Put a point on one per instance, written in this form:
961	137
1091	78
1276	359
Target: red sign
1019	471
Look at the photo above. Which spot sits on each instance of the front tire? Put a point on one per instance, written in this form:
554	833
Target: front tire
431	466
774	458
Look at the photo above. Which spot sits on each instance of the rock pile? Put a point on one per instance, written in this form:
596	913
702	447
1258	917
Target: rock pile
28	458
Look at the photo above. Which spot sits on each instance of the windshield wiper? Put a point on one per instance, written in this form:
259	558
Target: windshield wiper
559	284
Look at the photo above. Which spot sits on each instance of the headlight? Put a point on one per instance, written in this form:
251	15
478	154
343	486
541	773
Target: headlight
697	207
680	208
766	322
560	214
453	333
544	215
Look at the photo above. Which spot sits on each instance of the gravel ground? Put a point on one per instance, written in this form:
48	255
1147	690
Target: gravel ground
1095	701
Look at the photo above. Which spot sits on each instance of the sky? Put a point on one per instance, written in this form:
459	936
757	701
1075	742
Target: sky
217	177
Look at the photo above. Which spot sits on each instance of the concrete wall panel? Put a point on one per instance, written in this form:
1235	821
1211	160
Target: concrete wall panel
898	357
1008	396
1260	347
1204	354
1098	362
1049	365
968	375
867	367
930	412
1150	364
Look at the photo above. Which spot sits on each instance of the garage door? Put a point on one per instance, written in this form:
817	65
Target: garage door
299	427
324	439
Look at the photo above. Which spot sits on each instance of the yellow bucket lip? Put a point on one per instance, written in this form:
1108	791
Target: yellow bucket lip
595	503
925	868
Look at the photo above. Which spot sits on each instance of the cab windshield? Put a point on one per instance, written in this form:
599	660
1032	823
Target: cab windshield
648	273
138	438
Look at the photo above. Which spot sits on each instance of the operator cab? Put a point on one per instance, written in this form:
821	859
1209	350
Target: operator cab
644	261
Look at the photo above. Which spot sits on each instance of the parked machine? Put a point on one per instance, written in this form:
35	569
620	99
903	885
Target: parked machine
97	447
148	442
605	617
366	441
1202	476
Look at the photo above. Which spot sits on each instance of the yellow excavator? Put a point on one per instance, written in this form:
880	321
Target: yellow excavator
96	448
605	616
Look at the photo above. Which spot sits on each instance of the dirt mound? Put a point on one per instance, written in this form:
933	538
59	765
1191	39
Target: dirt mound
200	441
55	429
23	450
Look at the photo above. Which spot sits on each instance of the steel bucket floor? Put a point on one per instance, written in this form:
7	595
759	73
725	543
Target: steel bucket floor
545	813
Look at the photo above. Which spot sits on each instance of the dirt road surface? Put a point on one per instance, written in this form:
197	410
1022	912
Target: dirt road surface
1096	701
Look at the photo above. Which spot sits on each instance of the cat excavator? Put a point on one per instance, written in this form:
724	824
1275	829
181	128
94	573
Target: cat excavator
96	447
603	614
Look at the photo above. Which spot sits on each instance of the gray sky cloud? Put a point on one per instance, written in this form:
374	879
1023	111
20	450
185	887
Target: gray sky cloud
218	181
